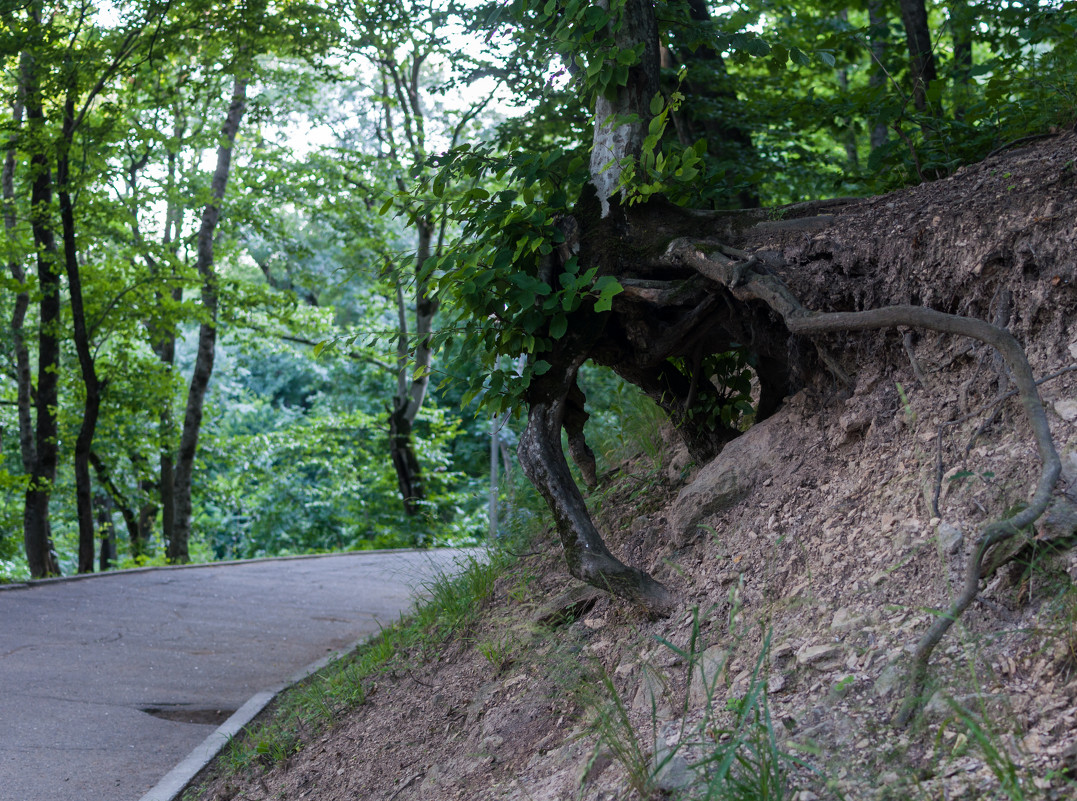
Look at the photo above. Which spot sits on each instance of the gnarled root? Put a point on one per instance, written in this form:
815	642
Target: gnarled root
747	285
587	556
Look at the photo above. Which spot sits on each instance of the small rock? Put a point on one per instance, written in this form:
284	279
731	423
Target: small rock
1067	410
673	771
841	689
780	652
888	680
678	465
650	697
590	769
814	654
950	538
705	673
845	620
567	607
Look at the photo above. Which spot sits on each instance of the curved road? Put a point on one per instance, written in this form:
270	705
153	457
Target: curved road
106	683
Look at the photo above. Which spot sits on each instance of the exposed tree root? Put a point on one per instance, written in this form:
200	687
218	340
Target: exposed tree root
753	286
544	463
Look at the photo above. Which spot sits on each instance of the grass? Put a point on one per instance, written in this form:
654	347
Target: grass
454	603
729	753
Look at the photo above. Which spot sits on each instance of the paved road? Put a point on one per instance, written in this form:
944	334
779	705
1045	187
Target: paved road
81	662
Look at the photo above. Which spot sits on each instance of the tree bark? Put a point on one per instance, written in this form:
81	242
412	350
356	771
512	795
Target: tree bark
108	534
207	333
707	83
91	384
120	502
40	556
164	340
23	375
921	56
613	141
544	463
410	395
877	43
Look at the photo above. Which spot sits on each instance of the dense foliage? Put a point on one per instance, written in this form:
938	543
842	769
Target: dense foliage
388	199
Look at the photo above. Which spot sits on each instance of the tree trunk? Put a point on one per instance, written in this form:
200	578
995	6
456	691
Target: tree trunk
409	397
23	376
554	399
877	22
107	532
40	556
615	140
120	502
207	332
962	19
921	57
91	384
707	78
147	516
164	337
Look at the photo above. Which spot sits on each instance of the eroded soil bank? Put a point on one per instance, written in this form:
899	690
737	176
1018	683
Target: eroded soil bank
810	555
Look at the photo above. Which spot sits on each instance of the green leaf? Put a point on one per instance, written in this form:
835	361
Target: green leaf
799	57
607	286
558	326
826	57
595	18
756	47
657	103
540	367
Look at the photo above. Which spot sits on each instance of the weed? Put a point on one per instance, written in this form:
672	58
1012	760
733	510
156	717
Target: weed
742	760
500	653
994	753
615	730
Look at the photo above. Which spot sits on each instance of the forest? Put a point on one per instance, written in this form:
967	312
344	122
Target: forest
274	271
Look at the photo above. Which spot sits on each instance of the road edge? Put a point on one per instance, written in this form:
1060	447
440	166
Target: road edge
43	582
177	780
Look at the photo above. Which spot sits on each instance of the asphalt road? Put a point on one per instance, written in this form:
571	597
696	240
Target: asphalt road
106	683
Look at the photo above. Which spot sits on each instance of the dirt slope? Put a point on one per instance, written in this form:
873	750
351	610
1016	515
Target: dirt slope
816	547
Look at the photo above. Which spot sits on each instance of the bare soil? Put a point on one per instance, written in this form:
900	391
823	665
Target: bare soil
828	548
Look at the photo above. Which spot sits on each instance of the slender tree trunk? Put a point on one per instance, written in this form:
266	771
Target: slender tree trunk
921	57
107	531
876	22
92	405
23	376
147	516
554	400
165	336
40	556
207	332
119	502
410	395
962	19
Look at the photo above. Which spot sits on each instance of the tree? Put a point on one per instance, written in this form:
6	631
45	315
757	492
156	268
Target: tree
207	331
675	300
405	42
921	53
